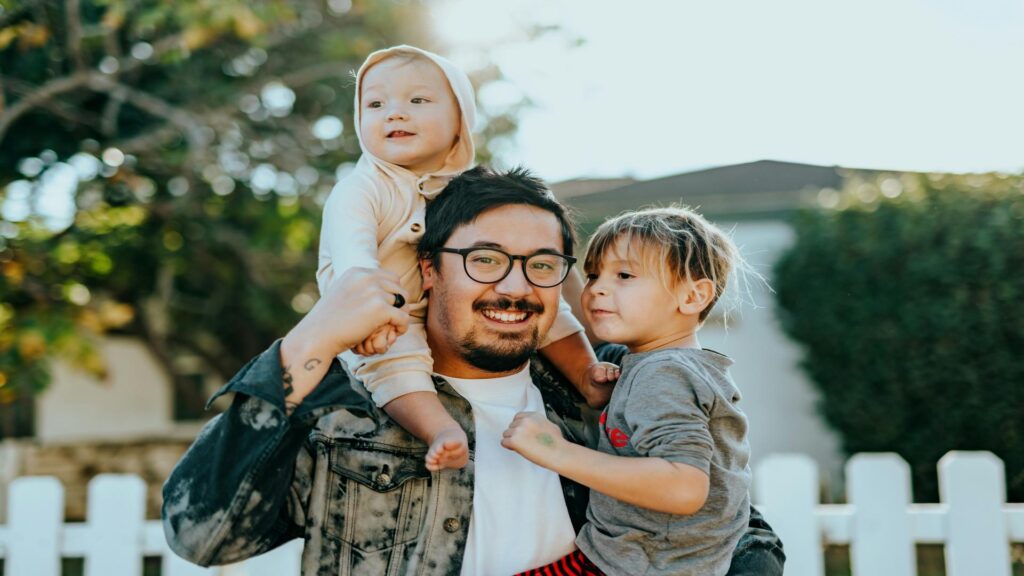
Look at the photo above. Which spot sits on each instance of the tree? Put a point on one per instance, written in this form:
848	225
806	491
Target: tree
164	166
907	294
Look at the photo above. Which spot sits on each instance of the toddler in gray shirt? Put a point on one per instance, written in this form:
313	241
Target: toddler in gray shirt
669	480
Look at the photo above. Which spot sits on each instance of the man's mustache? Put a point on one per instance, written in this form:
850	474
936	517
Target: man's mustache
509	304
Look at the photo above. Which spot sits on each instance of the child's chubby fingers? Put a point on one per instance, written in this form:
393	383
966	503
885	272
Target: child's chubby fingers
381	339
376	343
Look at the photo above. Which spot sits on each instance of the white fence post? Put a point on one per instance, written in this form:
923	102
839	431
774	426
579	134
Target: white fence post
973	486
787	485
36	517
10	464
881	544
116	516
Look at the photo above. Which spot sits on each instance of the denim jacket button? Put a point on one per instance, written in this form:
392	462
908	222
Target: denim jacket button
383	479
452	524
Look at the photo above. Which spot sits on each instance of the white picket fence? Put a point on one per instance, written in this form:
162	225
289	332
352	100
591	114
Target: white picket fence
880	524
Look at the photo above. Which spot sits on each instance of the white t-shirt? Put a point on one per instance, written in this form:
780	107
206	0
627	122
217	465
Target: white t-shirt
519	516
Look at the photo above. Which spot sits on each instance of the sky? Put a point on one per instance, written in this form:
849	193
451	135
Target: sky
650	88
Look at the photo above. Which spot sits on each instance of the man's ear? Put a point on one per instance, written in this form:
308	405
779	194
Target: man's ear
428	272
694	297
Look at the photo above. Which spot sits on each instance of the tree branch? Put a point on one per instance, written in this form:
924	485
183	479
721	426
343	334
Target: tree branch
73	18
108	124
192	130
39	96
70	114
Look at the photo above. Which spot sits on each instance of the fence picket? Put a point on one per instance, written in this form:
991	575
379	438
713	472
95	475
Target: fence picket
788	488
36	515
878	486
973	485
117	515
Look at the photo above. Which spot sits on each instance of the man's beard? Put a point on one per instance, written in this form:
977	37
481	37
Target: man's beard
508	351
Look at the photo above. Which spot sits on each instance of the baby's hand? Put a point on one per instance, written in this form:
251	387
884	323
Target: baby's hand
598	390
534	437
378	342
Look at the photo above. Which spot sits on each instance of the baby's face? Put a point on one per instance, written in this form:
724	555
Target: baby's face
409	115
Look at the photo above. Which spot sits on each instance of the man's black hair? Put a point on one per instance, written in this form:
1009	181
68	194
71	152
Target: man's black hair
480	189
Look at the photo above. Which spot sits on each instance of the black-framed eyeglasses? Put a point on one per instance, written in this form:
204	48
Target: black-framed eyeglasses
490	265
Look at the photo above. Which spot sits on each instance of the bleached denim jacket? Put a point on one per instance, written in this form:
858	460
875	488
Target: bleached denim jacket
351	483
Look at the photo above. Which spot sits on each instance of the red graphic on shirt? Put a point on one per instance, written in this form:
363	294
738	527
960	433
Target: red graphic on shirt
617	437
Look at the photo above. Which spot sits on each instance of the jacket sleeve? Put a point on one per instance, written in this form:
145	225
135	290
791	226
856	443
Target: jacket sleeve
242	488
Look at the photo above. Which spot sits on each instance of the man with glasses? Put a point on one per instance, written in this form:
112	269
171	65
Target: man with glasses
340	474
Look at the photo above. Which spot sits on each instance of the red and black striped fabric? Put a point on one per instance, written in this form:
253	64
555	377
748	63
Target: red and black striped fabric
575	564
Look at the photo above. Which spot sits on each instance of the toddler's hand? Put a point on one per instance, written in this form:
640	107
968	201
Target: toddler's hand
602	377
534	437
378	342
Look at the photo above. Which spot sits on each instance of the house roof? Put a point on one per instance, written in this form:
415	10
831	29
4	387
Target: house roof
762	189
584	186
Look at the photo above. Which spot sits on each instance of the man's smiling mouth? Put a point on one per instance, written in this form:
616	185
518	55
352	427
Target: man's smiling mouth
505	316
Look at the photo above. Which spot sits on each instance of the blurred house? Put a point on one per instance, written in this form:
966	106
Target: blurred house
754	202
131	422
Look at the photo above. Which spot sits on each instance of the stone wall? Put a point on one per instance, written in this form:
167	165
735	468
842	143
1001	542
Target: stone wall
75	464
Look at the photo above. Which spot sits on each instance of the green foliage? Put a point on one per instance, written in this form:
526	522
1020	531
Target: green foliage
186	129
908	296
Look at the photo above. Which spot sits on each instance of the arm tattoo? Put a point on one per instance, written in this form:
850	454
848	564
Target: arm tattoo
287	380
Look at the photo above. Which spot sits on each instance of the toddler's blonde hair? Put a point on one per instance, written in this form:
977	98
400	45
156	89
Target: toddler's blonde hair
676	243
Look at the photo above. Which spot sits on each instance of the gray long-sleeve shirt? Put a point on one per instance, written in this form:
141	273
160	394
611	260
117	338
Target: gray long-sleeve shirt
678	404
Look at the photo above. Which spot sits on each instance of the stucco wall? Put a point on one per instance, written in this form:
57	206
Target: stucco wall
778	398
134	401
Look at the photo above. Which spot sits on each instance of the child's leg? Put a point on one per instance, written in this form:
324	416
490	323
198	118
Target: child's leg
399	381
422	414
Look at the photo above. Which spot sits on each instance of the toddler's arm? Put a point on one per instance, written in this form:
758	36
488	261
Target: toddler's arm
649	482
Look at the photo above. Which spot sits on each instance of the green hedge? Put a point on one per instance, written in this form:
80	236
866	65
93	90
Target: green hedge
907	294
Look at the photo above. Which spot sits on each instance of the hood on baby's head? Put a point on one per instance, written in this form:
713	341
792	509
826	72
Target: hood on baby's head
463	153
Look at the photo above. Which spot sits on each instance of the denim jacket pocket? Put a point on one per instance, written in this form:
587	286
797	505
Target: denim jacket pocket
378	496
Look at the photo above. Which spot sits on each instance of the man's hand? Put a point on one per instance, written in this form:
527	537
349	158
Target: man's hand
358	303
534	437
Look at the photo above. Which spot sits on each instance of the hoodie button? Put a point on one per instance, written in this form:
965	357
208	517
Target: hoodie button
415	227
